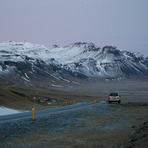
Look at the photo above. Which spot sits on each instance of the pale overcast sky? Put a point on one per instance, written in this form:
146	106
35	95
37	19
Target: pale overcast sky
123	23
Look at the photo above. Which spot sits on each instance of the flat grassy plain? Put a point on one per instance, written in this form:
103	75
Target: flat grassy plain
124	125
22	97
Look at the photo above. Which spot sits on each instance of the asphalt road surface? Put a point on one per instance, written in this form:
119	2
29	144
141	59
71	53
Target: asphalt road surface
25	115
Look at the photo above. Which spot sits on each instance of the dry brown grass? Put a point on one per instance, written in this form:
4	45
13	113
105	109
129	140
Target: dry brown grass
98	131
21	97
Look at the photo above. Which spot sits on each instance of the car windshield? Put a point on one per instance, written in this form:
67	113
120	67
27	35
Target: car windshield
113	94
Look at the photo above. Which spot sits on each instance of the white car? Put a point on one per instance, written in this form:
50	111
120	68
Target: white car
114	97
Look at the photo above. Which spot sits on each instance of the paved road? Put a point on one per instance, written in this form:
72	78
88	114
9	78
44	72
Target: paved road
18	116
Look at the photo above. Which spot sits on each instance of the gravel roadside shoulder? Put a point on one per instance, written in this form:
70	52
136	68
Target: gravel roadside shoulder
99	126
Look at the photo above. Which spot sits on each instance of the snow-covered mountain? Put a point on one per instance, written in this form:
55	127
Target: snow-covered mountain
29	63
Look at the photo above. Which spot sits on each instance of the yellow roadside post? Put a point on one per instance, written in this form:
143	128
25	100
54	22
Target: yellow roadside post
34	107
66	103
32	113
74	102
95	104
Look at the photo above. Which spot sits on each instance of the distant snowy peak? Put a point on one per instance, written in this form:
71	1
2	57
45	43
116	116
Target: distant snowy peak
83	46
20	50
79	59
20	45
75	50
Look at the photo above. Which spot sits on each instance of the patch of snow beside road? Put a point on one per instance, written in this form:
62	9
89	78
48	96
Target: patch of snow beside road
7	111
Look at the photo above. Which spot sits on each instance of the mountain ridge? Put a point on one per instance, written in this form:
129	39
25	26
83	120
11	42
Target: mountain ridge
29	63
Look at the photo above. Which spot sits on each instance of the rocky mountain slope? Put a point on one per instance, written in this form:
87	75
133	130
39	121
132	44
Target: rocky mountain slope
23	62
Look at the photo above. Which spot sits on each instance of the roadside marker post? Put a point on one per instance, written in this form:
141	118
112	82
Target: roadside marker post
74	102
34	107
66	103
33	113
95	104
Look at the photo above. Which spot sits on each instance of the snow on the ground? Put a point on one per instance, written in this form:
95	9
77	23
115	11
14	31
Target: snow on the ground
7	111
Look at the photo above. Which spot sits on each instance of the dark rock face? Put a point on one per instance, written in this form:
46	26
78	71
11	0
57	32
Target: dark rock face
111	50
